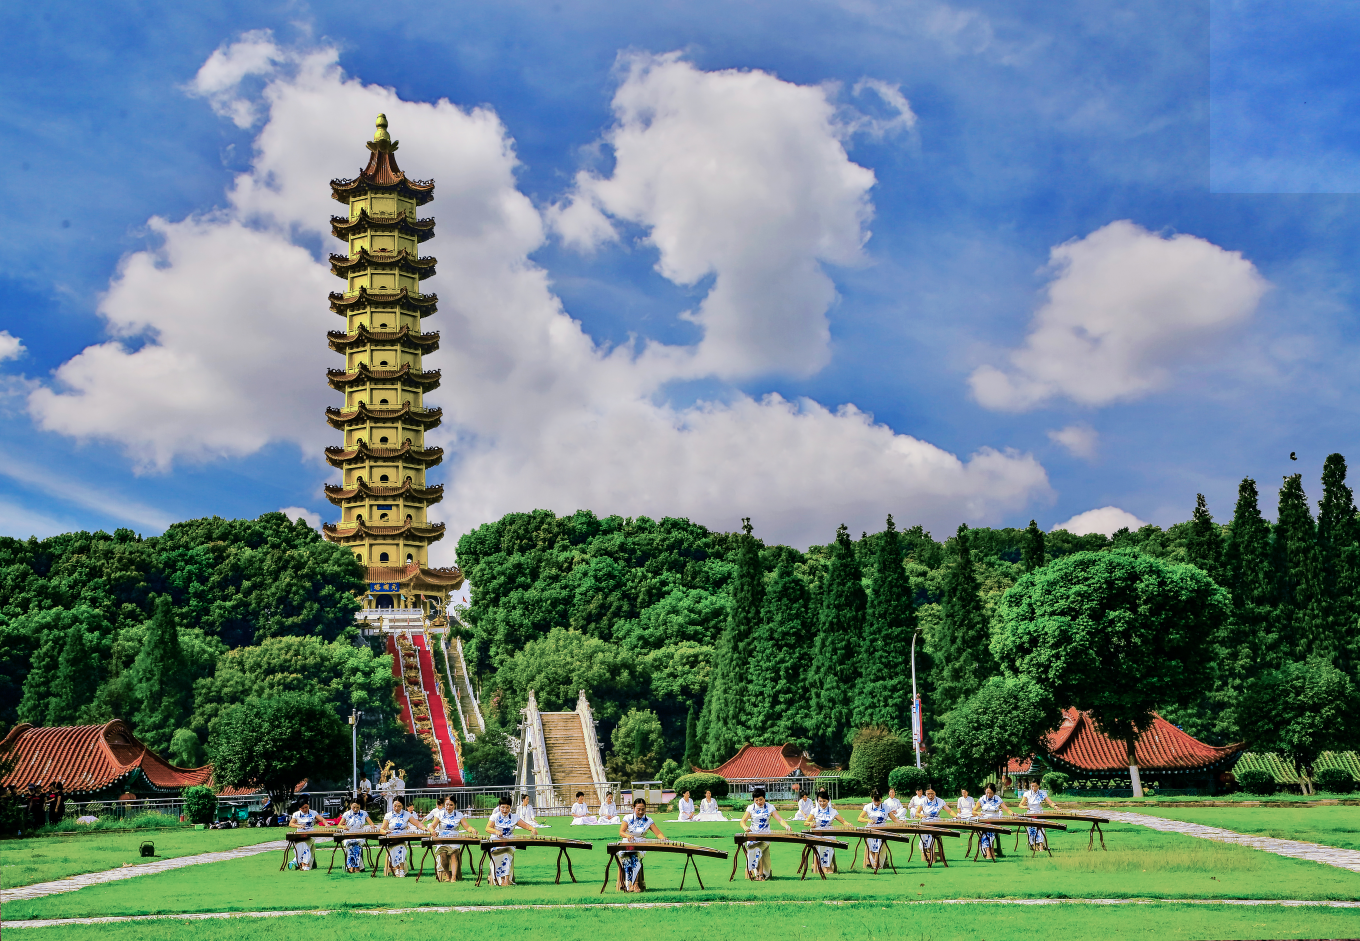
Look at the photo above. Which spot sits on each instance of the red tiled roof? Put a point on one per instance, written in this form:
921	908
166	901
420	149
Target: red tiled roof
88	758
249	791
767	761
1079	744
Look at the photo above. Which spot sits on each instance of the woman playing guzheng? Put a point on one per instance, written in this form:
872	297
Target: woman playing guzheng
397	820
447	820
302	820
875	815
635	826
757	820
821	818
1034	800
502	824
931	808
356	818
991	805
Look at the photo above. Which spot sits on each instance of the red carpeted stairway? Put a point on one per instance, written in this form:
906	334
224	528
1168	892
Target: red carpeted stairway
443	735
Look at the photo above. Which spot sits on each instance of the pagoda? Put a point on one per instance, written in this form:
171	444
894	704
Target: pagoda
383	495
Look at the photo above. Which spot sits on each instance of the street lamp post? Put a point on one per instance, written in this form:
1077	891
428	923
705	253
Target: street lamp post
916	718
354	715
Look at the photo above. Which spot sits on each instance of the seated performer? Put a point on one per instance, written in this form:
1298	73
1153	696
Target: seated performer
580	812
526	813
931	808
1033	801
356	818
446	820
991	805
966	805
686	806
502	824
708	808
914	805
823	858
397	820
805	807
757	820
875	815
302	820
892	805
635	826
608	812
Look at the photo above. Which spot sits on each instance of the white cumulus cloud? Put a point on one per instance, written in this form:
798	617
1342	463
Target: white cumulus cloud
1106	520
11	347
302	513
1124	309
1080	440
230	315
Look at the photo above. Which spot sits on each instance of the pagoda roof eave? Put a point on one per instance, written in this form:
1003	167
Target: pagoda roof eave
342	227
416	576
421	266
423	343
363	374
422	304
363	531
339	495
363	454
425	418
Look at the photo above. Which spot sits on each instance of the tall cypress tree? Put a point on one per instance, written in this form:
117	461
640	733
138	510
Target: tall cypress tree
962	644
1302	612
777	705
1033	551
160	680
835	651
692	755
1204	545
883	694
1339	555
40	683
77	669
721	727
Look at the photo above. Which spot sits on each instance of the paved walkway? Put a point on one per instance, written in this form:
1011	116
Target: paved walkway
1294	849
70	884
472	909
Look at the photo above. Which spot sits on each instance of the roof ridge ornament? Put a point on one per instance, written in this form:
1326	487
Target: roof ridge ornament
382	141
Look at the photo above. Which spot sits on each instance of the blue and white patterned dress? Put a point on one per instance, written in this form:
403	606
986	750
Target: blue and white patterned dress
820	819
758	854
878	815
1034	803
630	863
303	849
354	849
989	807
503	858
930	813
446	824
397	854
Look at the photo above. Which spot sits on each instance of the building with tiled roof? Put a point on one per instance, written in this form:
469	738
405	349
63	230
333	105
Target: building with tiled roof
768	762
96	762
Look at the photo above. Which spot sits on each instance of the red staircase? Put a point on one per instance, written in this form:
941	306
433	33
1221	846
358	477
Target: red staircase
443	735
407	719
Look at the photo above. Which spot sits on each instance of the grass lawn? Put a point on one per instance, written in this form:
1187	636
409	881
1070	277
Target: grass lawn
1331	826
1141	863
855	922
42	859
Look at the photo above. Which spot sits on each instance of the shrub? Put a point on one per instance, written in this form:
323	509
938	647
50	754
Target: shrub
1055	782
1335	781
701	781
94	809
670	770
200	804
907	778
851	785
875	753
1257	781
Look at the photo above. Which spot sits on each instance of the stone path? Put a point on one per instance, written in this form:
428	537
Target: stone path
1294	849
473	909
71	883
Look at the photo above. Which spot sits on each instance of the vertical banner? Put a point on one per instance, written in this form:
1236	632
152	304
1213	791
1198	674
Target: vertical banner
917	738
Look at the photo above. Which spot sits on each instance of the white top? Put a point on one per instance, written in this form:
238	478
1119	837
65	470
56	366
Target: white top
821	817
1034	800
893	804
915	804
709	805
876	814
398	821
686	807
931	807
580	809
365	785
636	825
355	819
760	817
526	813
447	820
505	823
608	809
991	806
966	805
305	821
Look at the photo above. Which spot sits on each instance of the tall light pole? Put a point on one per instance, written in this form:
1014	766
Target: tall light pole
354	715
917	720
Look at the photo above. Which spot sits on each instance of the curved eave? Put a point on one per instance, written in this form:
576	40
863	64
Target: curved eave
426	418
1227	756
363	454
341	496
343	227
423	343
341	379
346	533
422	266
421	191
422	304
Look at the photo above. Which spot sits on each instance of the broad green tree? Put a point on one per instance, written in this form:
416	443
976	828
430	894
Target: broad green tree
883	693
639	747
559	666
276	743
1033	555
1301	710
722	725
836	650
961	645
1117	633
1007	718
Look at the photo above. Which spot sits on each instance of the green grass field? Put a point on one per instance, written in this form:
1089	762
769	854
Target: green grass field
1141	863
42	859
1331	826
851	922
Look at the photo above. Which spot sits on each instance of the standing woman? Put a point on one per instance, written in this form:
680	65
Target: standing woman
502	824
821	817
757	820
635	827
992	805
686	806
446	820
56	803
875	815
356	818
931	808
303	820
397	820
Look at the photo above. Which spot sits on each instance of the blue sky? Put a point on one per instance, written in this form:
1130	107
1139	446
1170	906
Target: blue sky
1104	249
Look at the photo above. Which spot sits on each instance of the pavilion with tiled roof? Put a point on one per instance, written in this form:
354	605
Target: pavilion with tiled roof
768	762
96	762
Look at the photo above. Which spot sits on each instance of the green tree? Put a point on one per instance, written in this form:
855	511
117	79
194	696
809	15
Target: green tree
488	761
77	667
776	701
161	680
835	652
1118	633
40	682
276	743
883	694
875	753
722	726
1007	718
186	750
691	742
1033	552
1300	711
1298	572
961	643
1338	537
1204	544
639	746
559	666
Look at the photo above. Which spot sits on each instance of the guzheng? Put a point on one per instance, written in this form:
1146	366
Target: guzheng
1094	820
491	843
807	839
294	837
976	826
1037	822
900	833
390	839
433	843
662	846
363	833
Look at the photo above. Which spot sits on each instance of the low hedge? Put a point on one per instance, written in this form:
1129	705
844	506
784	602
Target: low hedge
1257	781
1055	782
1335	781
700	781
907	778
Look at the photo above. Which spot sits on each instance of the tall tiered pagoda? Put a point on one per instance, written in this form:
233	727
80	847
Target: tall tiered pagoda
383	497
